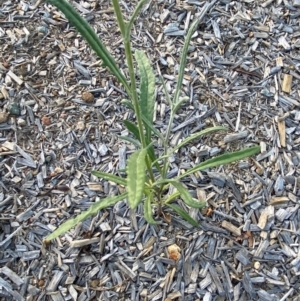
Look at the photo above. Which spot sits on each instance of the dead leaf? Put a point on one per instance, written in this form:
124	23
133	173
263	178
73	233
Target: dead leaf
167	217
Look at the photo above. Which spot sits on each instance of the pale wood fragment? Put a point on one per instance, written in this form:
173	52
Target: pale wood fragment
281	130
287	83
230	227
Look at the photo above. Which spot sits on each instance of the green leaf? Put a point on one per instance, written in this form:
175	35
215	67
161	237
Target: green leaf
153	129
148	209
181	100
183	214
188	38
127	104
222	159
109	177
136	143
91	37
132	128
147	87
136	175
186	196
63	228
147	83
197	135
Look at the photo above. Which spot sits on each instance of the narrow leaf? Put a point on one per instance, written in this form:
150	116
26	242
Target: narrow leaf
133	129
91	37
222	159
183	214
129	105
186	196
136	175
109	177
153	129
188	38
63	228
148	209
197	135
136	143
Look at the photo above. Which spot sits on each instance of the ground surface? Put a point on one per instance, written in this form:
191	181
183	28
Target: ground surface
61	118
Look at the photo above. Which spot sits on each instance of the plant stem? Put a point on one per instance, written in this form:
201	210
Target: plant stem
134	96
167	137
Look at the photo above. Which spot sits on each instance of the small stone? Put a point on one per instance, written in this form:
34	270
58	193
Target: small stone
80	125
256	265
88	97
21	122
3	117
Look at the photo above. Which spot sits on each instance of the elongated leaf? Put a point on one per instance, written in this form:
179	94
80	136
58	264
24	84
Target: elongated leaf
186	196
133	141
148	209
183	214
197	135
178	105
109	177
222	159
129	105
132	128
136	175
188	38
153	129
147	83
63	228
91	37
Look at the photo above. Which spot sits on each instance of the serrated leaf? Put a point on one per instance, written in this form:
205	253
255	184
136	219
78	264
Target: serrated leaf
66	226
222	159
147	85
133	129
186	196
148	209
109	177
183	214
136	175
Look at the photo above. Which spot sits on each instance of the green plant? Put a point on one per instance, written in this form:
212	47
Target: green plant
146	179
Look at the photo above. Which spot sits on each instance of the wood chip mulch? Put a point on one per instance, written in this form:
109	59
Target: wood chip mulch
61	115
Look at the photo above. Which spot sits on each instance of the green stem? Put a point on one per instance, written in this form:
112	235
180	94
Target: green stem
167	137
134	96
